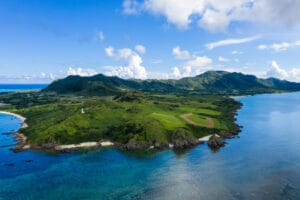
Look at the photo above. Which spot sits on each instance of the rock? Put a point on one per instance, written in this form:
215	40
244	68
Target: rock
215	142
158	145
135	146
182	138
48	146
10	164
227	135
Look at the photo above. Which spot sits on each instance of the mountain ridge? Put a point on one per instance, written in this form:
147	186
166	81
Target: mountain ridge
210	82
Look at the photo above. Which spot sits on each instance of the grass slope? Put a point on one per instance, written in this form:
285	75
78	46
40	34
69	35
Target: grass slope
129	118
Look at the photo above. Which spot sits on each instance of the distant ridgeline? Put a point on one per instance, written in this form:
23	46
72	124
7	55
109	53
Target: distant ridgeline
211	82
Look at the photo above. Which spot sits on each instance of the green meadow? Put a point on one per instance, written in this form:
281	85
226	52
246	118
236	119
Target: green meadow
129	118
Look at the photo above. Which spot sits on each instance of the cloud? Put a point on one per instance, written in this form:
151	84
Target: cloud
140	48
131	7
44	77
278	72
196	65
81	71
235	52
177	12
217	15
193	64
230	41
109	51
180	54
157	61
133	64
283	46
176	72
158	75
222	59
29	78
199	62
262	46
100	36
214	21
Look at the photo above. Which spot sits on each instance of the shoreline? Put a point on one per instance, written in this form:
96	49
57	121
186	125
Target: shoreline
19	137
107	143
23	119
23	145
239	96
83	145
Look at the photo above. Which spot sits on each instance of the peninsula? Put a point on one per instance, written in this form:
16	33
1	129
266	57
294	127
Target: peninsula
78	112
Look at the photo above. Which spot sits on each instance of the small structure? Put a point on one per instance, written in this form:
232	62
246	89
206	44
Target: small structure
82	111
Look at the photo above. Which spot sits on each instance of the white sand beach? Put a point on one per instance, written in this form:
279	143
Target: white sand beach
206	138
106	143
21	138
76	146
23	119
83	144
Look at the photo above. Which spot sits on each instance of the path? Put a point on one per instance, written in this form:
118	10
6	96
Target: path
210	122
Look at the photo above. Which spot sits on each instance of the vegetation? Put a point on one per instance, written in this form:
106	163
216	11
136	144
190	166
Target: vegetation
211	82
136	114
132	119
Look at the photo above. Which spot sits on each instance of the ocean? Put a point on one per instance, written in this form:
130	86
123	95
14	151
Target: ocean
263	162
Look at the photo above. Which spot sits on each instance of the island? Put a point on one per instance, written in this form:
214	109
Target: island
91	112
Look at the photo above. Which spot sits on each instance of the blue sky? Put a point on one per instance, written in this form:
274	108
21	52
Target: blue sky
45	40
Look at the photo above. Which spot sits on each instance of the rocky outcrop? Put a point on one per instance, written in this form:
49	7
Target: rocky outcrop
215	142
135	146
182	138
21	145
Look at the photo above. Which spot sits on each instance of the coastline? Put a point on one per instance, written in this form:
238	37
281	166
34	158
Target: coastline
23	119
83	145
23	145
19	137
239	96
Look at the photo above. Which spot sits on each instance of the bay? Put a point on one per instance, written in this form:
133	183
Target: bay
263	162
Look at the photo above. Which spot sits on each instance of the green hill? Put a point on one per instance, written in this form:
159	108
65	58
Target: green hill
211	82
136	114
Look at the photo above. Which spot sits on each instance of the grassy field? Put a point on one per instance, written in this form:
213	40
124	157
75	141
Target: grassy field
199	119
127	119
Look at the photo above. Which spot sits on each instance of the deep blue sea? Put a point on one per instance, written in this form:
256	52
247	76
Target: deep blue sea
17	87
262	163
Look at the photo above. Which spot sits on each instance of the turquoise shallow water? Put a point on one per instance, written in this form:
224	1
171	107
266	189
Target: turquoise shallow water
263	163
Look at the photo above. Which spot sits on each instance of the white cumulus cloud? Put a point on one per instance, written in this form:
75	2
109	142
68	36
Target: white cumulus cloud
199	61
132	68
181	54
176	72
109	51
81	71
217	15
193	64
140	48
177	12
278	72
